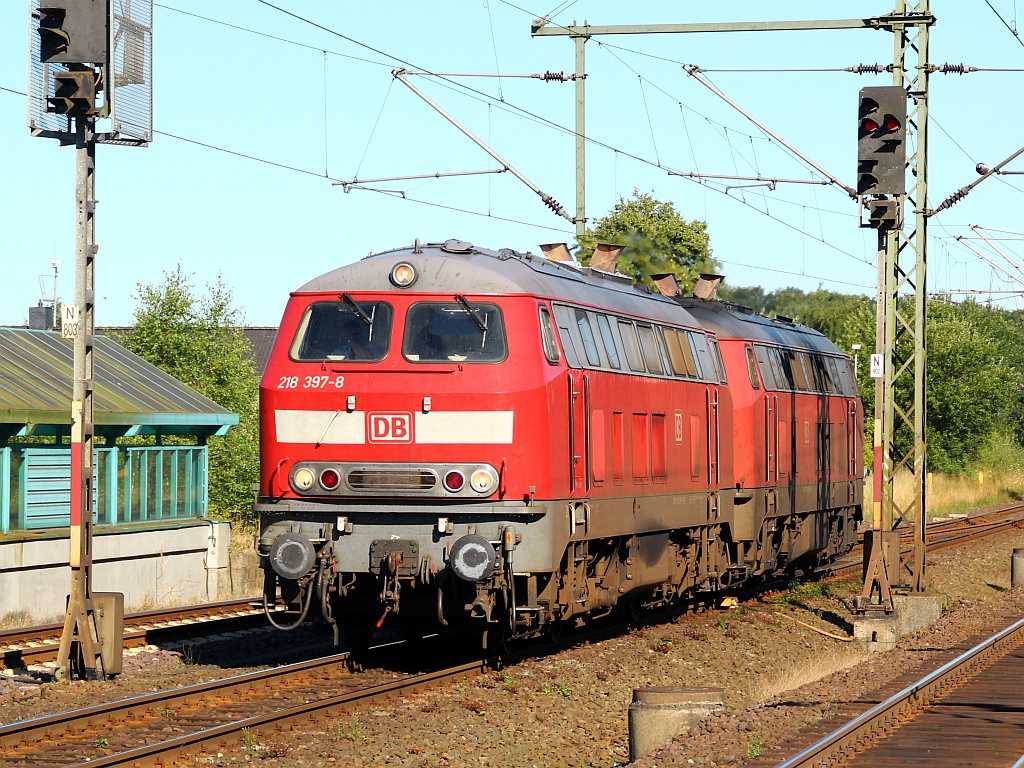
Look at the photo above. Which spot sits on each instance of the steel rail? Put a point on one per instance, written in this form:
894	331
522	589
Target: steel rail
23	646
901	706
141	711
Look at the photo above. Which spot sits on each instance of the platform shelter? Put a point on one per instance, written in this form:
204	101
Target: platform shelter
153	536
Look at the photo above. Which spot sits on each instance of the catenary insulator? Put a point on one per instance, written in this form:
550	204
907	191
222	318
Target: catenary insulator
866	69
955	69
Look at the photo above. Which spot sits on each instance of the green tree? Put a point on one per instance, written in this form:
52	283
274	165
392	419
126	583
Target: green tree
199	341
657	238
973	389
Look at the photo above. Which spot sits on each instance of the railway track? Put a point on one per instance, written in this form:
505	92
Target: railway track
22	647
965	712
943	534
159	728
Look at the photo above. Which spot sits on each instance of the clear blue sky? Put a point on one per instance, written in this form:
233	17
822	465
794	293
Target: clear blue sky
290	93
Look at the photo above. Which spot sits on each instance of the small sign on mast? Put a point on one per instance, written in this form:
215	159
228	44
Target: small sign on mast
69	321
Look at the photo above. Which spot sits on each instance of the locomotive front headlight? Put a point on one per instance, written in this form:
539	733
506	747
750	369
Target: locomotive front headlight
483	480
303	478
403	274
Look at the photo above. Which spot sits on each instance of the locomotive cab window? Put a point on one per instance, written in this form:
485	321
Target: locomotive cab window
344	331
455	331
547	334
752	368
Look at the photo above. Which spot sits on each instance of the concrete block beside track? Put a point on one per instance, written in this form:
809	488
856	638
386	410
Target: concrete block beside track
878	634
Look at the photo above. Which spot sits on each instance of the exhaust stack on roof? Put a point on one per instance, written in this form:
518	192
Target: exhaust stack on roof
707	287
666	285
605	256
556	252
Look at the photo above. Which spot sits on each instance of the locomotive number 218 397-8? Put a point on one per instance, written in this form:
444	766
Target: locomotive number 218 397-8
310	382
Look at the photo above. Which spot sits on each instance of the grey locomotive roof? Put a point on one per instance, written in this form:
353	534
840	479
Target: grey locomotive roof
730	321
458	267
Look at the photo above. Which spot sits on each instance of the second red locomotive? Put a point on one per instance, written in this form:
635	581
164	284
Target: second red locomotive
487	438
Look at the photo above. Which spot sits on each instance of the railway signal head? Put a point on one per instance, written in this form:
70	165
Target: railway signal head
73	31
74	93
882	141
884	214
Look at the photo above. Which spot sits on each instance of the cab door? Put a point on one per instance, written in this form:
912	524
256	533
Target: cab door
714	447
579	433
771	438
852	432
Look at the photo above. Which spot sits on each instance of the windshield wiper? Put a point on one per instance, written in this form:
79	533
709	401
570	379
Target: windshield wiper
481	324
366	318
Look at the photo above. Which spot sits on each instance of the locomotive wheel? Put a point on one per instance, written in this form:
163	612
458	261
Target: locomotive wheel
554	631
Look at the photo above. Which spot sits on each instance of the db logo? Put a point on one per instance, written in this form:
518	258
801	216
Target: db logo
390	427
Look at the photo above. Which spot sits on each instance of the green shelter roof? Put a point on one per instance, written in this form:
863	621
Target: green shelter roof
131	396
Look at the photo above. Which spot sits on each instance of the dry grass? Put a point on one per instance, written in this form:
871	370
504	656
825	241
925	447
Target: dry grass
953	494
244	538
823	665
15	620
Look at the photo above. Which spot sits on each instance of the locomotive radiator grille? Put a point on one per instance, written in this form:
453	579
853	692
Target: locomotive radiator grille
391	480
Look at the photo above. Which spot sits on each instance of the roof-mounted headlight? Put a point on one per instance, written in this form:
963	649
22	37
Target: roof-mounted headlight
403	274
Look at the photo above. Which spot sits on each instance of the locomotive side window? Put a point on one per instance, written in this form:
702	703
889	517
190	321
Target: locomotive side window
776	364
833	372
823	372
690	350
547	335
627	331
849	384
716	356
609	341
699	342
345	330
441	332
752	368
763	353
666	364
563	323
675	352
799	376
804	359
587	336
650	349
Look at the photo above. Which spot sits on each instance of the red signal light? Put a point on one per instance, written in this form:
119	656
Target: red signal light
891	123
870	125
329	479
454	481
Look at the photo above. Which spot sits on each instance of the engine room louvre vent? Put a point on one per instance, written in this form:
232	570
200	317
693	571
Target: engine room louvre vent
391	479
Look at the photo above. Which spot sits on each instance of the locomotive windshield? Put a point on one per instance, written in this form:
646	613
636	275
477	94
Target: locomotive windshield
344	330
455	331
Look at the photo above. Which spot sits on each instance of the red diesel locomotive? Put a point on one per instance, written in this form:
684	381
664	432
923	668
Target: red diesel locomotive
478	438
